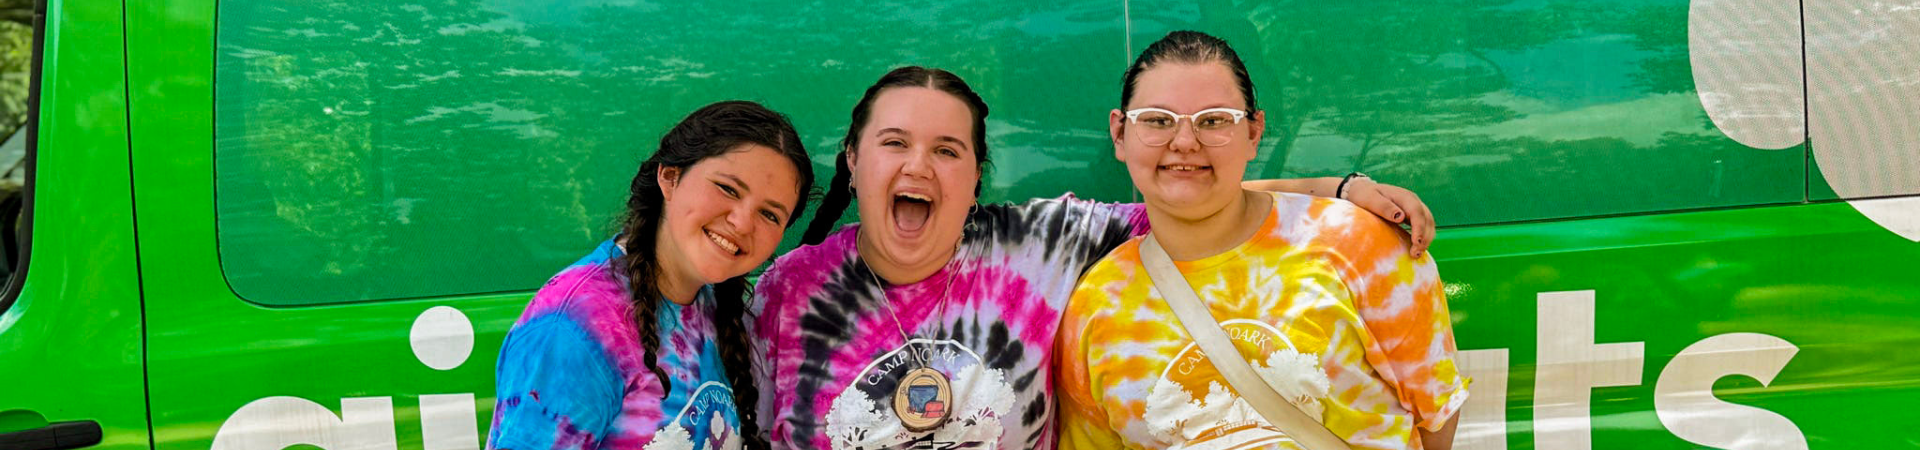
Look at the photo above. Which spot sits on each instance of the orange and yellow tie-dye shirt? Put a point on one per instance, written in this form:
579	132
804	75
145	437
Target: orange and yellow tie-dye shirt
1324	302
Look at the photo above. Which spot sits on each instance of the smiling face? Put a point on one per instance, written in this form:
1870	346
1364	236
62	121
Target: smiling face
725	214
914	175
1183	178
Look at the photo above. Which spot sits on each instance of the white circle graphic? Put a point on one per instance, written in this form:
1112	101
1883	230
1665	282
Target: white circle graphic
442	337
1901	215
1746	69
1863	86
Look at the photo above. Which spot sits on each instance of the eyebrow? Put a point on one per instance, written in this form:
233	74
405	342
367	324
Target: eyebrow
743	188
1216	105
950	139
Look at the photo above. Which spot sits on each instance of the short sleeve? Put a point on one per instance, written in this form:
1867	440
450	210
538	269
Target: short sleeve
1082	423
1073	232
556	386
1402	301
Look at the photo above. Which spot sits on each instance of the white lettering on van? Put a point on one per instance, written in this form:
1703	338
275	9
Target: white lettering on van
442	339
1683	397
1569	365
1483	419
364	423
447	422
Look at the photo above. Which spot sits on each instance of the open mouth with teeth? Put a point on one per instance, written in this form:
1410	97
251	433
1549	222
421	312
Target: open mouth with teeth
725	244
911	210
1186	168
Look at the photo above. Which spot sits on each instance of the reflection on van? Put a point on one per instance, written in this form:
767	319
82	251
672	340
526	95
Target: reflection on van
1666	223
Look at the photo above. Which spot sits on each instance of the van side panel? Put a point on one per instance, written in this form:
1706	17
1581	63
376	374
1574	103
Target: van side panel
1624	274
236	375
70	346
231	374
1775	324
232	370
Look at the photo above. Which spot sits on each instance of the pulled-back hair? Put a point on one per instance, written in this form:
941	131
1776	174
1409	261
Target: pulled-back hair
838	195
712	131
1189	47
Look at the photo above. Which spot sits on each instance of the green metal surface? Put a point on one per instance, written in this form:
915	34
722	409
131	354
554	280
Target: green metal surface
587	102
1492	111
299	165
476	147
210	352
1819	276
70	346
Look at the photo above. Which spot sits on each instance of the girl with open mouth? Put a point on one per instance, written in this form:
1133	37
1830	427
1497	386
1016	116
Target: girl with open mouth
930	323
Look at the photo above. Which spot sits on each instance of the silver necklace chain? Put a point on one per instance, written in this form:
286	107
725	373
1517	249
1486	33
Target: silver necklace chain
886	301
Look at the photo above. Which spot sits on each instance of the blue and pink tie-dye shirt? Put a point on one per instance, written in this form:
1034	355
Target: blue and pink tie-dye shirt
572	374
832	355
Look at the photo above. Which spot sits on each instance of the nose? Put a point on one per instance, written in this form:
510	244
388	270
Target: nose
1185	137
742	219
918	164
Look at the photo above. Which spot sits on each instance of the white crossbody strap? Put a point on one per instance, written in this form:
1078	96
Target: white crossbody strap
1213	341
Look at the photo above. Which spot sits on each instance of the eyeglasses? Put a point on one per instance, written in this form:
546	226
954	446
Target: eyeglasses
1212	127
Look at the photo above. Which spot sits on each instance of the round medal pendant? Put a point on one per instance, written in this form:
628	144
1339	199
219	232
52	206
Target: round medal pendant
924	400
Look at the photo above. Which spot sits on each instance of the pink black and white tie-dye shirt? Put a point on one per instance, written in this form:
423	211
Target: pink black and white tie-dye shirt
572	375
832	354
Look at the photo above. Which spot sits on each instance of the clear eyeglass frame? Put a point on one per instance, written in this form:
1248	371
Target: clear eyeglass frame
1207	128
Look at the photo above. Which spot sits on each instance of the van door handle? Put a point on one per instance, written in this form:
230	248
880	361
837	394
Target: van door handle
54	436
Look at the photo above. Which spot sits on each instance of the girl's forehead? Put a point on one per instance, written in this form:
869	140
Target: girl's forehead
1187	87
750	163
921	112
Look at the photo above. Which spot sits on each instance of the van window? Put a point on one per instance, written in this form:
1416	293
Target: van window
19	59
380	150
1494	112
367	150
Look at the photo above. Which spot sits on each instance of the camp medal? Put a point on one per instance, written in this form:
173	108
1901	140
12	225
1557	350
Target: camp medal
922	400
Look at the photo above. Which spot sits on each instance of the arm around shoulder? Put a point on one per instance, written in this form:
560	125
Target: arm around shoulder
1394	204
1402	301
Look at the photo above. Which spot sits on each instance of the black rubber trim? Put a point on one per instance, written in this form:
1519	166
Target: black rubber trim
133	216
18	278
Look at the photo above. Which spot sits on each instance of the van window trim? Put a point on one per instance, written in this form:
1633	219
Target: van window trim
16	281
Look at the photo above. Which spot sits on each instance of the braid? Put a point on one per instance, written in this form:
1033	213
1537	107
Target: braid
835	203
712	131
642	284
736	352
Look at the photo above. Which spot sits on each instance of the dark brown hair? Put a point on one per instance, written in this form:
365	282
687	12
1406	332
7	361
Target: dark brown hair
838	194
714	130
1189	47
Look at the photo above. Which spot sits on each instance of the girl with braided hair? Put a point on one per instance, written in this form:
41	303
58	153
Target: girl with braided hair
930	323
641	344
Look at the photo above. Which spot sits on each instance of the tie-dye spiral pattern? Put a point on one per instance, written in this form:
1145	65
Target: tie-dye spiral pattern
832	353
1324	301
572	376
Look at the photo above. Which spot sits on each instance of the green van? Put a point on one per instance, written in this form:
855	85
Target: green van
262	224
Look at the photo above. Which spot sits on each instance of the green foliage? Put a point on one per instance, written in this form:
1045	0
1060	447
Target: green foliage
16	60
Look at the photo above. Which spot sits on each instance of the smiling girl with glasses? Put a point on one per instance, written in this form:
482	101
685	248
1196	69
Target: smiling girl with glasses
930	323
1323	300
